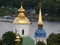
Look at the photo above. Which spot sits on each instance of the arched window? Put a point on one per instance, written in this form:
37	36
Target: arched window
22	31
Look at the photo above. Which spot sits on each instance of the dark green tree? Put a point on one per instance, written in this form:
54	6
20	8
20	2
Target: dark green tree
52	7
1	43
40	43
8	38
53	39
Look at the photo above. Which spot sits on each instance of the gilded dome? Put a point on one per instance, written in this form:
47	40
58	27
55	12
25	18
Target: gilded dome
21	18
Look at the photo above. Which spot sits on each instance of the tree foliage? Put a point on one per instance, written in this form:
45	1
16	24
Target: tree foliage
40	43
1	43
8	38
53	39
52	7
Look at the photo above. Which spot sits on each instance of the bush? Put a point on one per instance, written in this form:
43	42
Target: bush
40	43
53	39
8	38
1	43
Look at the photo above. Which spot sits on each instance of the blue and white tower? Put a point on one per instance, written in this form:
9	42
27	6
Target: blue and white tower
40	33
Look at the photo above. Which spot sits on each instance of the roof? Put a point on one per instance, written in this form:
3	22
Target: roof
21	18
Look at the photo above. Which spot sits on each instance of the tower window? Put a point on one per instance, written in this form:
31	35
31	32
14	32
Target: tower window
22	31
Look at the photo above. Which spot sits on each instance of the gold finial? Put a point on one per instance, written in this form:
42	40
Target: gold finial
17	39
40	23
21	9
21	5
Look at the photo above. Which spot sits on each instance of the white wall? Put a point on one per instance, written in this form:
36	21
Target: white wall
49	27
20	27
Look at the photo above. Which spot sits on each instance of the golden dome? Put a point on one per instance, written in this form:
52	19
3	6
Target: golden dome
21	19
17	38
